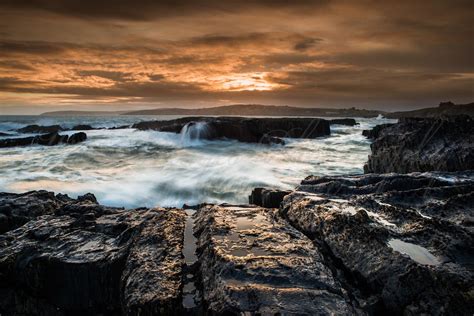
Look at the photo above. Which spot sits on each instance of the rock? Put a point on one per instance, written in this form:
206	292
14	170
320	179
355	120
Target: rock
77	138
5	134
252	130
269	198
375	131
344	121
40	129
401	241
83	258
50	139
253	262
430	144
82	127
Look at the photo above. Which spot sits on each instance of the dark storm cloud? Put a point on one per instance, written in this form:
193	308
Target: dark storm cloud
307	43
149	9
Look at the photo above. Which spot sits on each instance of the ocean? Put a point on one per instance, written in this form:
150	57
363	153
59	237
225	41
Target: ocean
131	168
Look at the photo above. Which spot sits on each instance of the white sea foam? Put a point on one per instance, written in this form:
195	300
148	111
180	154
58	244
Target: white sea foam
134	168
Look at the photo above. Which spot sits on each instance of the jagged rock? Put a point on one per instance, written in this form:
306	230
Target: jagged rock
403	242
430	144
270	198
40	129
84	258
251	130
252	261
50	139
375	131
344	121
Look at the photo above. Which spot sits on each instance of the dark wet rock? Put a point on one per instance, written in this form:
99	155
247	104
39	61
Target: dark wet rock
375	131
252	261
403	243
5	134
40	129
77	138
430	144
50	139
82	127
84	258
253	130
270	198
344	121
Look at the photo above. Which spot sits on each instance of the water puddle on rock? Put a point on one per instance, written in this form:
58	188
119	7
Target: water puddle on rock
415	252
190	293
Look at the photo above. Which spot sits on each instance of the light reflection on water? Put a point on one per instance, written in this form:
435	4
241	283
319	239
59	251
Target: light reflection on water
146	168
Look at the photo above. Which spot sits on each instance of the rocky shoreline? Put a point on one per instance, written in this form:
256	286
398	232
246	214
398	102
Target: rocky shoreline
399	241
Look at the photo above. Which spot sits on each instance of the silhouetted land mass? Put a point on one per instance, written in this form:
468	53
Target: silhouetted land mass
444	109
236	109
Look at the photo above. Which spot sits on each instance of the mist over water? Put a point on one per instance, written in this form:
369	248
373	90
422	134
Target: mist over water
133	168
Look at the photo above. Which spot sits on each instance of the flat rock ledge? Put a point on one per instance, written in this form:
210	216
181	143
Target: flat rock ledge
253	261
77	257
403	242
347	245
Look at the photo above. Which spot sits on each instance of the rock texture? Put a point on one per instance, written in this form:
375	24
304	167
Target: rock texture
253	262
50	139
78	257
270	198
403	243
430	144
252	130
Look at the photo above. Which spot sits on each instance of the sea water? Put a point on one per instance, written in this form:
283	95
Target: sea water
131	168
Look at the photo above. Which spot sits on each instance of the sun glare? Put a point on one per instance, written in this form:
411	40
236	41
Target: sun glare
244	82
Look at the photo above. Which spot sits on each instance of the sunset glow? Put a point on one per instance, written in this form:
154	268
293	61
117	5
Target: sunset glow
320	53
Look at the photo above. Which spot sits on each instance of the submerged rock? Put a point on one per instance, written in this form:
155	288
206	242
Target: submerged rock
251	130
252	261
50	139
403	242
83	258
429	144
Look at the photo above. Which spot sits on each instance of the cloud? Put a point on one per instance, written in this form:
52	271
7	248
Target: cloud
296	52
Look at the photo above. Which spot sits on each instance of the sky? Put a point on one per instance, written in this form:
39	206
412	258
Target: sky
120	55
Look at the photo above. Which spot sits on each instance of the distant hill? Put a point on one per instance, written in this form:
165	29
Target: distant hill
81	113
260	110
444	108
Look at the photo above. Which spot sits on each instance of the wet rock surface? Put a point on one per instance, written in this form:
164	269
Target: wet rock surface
265	197
78	257
252	261
252	130
403	243
50	139
423	144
